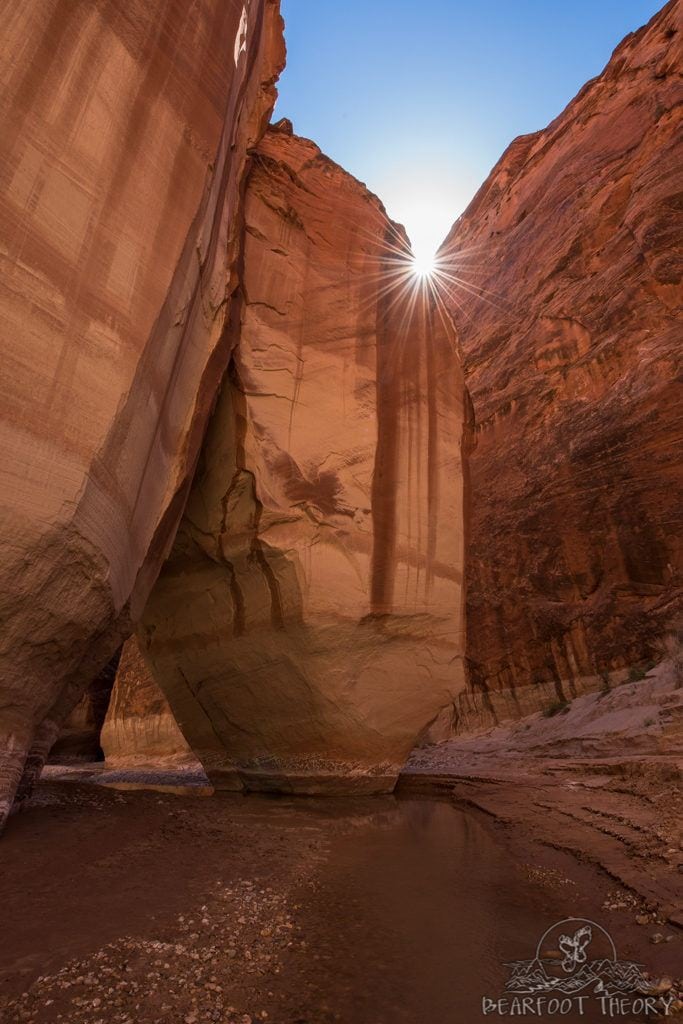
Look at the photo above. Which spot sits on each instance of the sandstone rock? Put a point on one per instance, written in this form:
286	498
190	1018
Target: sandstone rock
140	727
608	725
80	734
125	133
307	627
564	277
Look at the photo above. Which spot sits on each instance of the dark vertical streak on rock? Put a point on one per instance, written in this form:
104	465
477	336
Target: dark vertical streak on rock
467	445
384	480
238	611
256	554
428	334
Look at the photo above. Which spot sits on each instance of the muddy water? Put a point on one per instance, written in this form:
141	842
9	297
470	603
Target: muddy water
415	914
401	911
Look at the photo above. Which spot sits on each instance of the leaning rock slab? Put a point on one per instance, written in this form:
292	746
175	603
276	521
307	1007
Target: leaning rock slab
307	627
125	134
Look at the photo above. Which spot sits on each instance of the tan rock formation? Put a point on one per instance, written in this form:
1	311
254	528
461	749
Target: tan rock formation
125	132
140	727
307	627
568	302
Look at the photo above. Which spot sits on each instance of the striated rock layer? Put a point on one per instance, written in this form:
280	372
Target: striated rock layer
125	134
568	301
140	727
308	625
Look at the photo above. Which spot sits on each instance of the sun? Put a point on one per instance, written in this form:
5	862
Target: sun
423	263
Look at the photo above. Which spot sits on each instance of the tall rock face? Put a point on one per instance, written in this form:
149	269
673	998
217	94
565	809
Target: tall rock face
125	134
307	627
139	727
564	276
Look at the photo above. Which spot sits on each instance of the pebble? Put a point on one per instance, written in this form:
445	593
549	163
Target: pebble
180	975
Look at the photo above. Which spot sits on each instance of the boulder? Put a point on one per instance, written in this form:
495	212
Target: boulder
307	627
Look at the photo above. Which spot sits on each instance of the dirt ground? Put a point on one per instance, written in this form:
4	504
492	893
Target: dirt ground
121	907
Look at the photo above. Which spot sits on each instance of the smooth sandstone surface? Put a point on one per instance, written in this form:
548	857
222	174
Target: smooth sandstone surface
125	135
307	627
568	304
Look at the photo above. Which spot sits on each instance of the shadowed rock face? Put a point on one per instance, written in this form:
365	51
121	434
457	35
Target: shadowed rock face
125	131
574	245
308	625
79	738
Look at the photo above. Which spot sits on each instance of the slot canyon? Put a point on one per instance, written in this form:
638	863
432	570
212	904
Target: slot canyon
342	610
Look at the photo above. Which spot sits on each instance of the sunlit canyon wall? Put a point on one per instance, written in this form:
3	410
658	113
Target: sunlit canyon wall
307	628
125	133
564	276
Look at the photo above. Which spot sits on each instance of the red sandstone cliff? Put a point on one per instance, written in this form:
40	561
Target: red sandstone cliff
140	727
565	282
307	627
125	136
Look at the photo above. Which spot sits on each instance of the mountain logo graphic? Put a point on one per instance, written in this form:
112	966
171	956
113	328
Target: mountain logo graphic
572	957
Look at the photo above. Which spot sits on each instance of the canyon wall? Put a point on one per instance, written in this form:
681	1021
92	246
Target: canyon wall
307	627
564	277
140	727
125	136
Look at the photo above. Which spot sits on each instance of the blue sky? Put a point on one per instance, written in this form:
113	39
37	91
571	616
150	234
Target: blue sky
419	98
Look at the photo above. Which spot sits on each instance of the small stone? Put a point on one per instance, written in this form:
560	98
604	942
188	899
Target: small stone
643	919
657	938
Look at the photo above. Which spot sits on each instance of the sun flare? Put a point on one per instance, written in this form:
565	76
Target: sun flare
423	263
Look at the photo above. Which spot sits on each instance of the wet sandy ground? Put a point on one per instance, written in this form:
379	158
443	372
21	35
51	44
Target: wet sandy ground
148	907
